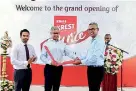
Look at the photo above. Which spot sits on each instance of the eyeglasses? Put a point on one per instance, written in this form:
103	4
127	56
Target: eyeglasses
92	29
55	33
107	38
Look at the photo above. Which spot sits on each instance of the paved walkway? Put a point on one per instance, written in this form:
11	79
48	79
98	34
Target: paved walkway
41	88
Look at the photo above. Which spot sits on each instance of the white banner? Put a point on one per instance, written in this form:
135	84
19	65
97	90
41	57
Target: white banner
116	18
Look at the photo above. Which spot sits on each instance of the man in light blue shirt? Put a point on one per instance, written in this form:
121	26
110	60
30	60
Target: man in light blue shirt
94	58
58	49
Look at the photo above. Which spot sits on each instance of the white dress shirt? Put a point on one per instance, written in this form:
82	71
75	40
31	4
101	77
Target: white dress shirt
58	49
18	56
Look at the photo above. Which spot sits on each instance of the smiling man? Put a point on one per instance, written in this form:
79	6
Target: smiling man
58	49
22	56
94	58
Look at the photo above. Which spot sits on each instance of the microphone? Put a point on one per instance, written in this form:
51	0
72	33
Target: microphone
107	43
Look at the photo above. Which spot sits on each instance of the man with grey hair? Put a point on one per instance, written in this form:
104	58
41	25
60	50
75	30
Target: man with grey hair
58	49
94	58
107	38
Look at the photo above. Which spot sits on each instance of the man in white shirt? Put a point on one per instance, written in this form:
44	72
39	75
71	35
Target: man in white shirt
52	71
22	55
110	80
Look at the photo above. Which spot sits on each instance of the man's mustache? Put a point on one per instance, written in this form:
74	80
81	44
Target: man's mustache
25	39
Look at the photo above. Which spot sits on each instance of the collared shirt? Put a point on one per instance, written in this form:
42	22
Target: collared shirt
58	49
94	56
18	56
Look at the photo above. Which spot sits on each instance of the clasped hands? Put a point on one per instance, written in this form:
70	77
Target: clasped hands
32	59
77	61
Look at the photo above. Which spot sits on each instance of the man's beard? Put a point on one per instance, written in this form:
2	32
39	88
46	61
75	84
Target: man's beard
24	40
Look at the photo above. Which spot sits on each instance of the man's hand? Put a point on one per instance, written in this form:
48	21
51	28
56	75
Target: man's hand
30	60
77	61
34	58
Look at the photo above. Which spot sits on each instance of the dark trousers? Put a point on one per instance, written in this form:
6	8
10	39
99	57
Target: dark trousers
95	77
52	76
22	78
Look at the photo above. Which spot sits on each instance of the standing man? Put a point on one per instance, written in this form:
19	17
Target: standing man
58	49
22	55
110	80
94	58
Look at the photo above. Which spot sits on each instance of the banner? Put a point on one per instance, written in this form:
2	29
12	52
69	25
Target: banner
73	19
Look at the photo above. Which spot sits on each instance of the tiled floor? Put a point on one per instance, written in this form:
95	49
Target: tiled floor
41	88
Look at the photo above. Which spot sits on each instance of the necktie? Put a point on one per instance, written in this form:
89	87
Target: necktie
27	54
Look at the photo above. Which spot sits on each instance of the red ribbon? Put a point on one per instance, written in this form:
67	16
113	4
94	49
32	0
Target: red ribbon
53	60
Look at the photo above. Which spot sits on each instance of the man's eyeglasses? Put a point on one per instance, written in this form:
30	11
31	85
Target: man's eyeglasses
107	38
92	29
55	33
